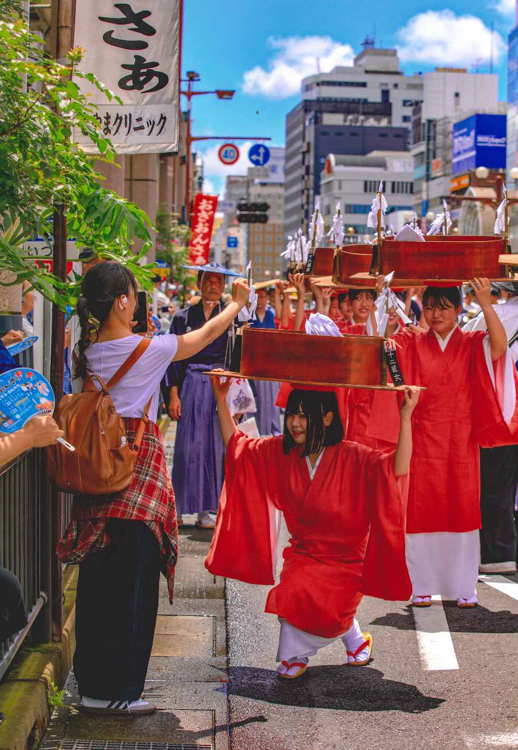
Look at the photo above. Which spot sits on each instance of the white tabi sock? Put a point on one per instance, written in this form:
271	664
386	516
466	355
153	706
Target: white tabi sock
353	639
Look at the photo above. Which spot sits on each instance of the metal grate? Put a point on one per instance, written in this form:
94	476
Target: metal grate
118	745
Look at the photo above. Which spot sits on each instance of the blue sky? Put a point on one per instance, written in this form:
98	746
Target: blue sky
261	48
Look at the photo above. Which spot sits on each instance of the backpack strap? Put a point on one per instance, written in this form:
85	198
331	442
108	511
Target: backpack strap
135	355
142	427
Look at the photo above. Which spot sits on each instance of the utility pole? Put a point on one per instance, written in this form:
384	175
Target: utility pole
63	13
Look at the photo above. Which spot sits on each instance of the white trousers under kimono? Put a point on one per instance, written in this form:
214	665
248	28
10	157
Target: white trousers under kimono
443	563
294	642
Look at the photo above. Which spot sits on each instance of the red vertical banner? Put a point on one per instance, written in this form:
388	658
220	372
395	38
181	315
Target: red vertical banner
202	222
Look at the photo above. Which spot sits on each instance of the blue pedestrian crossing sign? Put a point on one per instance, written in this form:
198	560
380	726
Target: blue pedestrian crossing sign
259	155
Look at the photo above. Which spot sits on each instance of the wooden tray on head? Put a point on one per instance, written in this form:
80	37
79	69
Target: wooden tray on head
347	261
295	357
452	260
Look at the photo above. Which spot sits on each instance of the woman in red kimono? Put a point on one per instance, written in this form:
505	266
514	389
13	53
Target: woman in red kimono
344	507
470	401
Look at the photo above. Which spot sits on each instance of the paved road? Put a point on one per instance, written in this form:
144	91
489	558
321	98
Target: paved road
440	678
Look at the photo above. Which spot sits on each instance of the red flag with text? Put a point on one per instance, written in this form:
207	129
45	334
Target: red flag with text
201	228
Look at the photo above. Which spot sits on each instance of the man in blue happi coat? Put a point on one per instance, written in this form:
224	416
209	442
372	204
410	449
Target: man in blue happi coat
198	462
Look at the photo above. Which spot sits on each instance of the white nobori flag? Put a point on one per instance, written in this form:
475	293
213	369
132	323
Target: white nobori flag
386	301
438	223
500	215
336	233
289	253
316	228
248	313
372	220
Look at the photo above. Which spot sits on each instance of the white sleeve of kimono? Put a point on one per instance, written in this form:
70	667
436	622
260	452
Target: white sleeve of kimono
505	390
275	530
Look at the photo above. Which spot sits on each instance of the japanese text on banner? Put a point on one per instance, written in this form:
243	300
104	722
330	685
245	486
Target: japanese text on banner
201	228
133	48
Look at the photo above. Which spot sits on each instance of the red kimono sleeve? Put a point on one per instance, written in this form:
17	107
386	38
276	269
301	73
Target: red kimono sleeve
244	544
385	573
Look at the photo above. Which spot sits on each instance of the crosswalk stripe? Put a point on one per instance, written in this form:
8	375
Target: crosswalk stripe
501	583
433	637
509	741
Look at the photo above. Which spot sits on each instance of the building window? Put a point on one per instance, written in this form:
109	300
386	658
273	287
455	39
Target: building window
370	186
268	248
356	209
267	258
385	95
402	188
407	118
383	135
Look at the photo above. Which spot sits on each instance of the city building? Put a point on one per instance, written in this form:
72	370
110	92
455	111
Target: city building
352	110
354	180
266	241
233	254
449	95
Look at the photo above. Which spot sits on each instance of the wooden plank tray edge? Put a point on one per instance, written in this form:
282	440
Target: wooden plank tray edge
292	381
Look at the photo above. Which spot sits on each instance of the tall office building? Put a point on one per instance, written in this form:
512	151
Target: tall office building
512	97
449	95
351	110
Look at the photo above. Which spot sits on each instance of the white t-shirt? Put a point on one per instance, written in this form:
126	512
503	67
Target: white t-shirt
134	390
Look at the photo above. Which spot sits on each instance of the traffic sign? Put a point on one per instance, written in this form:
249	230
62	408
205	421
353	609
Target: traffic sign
231	242
259	155
228	154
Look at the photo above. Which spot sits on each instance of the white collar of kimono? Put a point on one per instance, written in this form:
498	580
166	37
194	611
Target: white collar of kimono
443	343
313	469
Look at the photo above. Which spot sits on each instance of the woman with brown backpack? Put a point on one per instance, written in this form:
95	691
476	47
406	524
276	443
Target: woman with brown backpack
123	539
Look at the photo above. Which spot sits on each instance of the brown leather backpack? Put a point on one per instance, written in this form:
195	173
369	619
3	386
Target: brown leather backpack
103	461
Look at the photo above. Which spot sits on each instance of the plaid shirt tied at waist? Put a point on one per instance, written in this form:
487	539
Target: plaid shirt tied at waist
149	498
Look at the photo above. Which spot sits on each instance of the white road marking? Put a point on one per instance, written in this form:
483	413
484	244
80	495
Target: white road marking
433	637
501	583
509	741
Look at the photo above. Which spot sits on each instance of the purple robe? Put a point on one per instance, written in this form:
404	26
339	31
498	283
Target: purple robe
199	453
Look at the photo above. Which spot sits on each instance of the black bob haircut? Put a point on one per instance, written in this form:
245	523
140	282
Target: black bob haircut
440	296
354	293
314	405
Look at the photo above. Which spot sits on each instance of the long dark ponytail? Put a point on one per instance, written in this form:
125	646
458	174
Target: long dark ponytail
101	286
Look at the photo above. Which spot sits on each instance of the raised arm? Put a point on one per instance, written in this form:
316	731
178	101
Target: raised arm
285	311
278	287
191	343
298	280
404	447
226	423
495	329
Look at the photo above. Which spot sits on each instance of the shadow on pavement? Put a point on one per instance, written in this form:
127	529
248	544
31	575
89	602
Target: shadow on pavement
477	620
337	688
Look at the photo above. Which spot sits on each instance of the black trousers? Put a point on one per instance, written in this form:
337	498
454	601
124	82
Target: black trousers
499	478
117	604
12	609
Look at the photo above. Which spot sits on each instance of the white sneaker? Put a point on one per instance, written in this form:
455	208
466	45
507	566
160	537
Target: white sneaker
97	706
501	567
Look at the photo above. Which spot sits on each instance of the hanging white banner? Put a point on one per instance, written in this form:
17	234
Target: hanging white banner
133	48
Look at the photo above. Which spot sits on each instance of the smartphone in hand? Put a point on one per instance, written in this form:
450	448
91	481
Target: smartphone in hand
141	314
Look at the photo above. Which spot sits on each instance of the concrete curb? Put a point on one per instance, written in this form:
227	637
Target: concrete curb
23	693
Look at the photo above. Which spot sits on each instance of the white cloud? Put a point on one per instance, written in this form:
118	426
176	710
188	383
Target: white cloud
295	58
208	187
442	38
214	171
506	7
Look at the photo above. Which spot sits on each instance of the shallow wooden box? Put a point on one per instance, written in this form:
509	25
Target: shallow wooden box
295	356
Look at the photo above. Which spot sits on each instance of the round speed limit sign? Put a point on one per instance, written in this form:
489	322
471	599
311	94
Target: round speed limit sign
228	153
